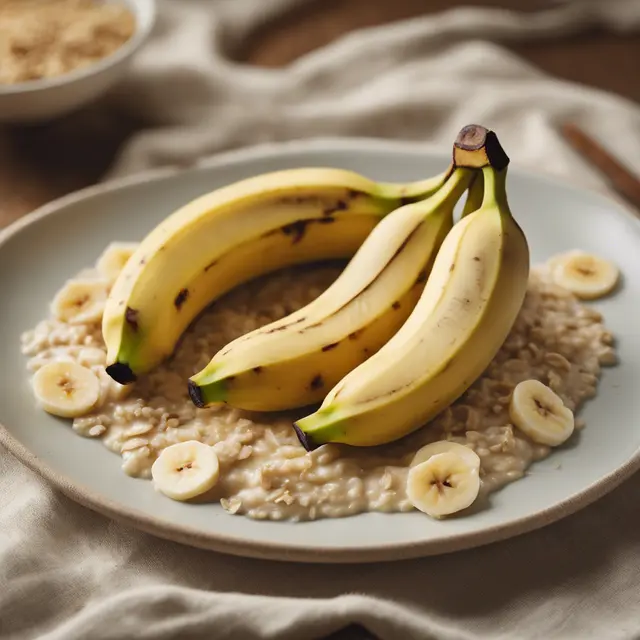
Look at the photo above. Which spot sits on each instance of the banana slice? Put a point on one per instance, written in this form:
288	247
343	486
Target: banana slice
443	484
586	275
444	446
185	470
80	301
66	389
540	413
113	259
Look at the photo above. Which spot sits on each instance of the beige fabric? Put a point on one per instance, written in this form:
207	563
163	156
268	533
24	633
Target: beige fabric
67	574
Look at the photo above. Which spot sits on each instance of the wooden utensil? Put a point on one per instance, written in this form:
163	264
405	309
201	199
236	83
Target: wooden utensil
620	178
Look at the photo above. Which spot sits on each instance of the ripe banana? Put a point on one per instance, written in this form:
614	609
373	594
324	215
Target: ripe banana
185	470
585	275
66	389
295	360
540	413
468	306
230	236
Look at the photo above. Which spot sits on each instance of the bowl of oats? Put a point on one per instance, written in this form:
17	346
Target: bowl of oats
59	55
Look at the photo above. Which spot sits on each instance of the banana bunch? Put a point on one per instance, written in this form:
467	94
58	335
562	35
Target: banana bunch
468	306
232	235
294	361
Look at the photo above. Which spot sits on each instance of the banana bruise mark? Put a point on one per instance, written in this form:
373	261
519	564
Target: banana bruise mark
296	230
181	298
257	370
340	205
284	326
328	347
211	265
355	335
395	306
316	383
422	277
131	318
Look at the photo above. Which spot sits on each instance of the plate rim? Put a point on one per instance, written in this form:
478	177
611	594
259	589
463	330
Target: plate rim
248	547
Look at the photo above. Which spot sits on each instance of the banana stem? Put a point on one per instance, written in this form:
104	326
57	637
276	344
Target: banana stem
495	189
475	195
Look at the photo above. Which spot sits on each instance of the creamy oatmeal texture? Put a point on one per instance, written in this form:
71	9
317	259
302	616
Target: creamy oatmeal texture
47	38
264	471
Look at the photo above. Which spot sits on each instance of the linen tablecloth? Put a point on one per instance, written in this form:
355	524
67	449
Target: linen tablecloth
69	574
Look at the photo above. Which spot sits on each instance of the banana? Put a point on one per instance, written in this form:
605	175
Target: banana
444	446
80	301
66	389
444	484
294	361
185	470
587	276
113	259
230	236
467	308
539	413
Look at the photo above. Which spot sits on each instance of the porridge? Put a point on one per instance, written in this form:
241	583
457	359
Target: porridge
264	472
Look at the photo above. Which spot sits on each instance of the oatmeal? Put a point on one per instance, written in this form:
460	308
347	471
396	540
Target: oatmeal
264	471
47	38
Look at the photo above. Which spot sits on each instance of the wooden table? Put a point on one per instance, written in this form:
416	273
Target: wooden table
42	162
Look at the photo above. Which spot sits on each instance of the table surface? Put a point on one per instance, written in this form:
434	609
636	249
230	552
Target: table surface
43	162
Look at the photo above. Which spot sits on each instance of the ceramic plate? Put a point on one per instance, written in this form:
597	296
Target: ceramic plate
41	251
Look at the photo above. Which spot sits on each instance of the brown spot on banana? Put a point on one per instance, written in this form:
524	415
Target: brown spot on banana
181	298
316	383
131	318
211	265
340	205
356	334
296	230
422	277
257	370
328	347
285	326
395	306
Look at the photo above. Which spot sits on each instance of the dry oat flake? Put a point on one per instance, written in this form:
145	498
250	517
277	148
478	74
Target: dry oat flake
264	471
48	38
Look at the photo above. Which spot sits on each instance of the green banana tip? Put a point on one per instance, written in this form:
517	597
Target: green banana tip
476	147
121	373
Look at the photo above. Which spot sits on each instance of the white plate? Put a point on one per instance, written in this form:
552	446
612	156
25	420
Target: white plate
41	251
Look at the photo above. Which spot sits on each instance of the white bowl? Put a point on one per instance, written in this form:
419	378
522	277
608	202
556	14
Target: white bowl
48	98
